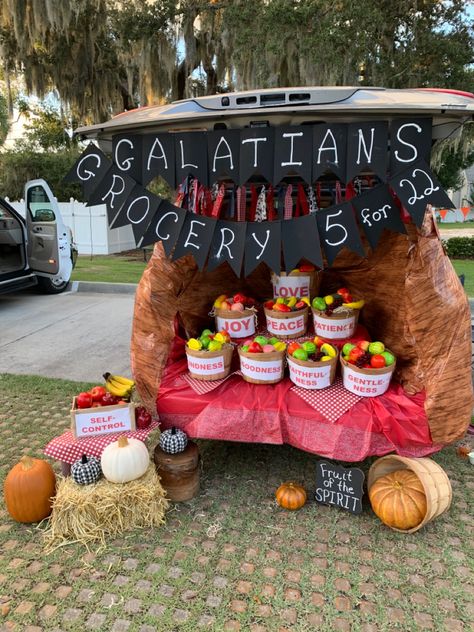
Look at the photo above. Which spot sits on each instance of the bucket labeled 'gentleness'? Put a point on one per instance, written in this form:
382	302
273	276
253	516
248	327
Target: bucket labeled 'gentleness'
364	381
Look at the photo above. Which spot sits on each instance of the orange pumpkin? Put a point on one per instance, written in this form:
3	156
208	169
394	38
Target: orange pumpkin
291	496
399	499
28	489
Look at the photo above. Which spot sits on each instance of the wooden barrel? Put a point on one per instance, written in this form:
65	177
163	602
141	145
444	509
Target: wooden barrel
179	473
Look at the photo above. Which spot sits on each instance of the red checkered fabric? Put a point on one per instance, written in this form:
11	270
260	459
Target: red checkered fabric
332	402
201	387
66	448
241	203
288	213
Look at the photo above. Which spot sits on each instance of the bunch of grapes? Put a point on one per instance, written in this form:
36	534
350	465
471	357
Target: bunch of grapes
337	302
363	359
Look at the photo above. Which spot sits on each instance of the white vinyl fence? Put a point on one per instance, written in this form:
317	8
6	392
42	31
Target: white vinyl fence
90	229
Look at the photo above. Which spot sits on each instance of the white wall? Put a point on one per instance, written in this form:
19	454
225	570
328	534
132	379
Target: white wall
90	229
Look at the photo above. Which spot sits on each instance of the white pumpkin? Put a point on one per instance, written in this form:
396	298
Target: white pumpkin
124	460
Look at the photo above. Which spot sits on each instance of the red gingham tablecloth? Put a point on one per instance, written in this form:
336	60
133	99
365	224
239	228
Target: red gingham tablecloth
201	387
332	402
67	449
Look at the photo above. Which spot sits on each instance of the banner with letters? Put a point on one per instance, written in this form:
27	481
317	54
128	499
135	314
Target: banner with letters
248	196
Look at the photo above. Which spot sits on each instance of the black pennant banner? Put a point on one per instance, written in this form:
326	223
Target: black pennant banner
377	211
338	230
367	149
228	244
191	156
138	210
159	158
410	140
418	186
127	152
112	190
257	149
263	244
301	241
89	169
293	152
329	150
165	226
223	152
195	238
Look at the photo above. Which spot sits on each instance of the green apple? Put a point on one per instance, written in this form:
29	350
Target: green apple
389	357
205	340
273	340
245	348
261	340
309	347
376	348
347	348
300	354
207	332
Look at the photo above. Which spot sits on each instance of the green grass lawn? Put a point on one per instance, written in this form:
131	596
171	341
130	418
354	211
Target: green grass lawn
231	559
109	268
457	225
466	267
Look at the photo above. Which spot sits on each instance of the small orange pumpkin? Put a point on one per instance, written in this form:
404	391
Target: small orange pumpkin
291	496
28	489
399	499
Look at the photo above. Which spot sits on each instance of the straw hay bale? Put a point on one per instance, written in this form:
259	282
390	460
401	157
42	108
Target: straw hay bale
89	514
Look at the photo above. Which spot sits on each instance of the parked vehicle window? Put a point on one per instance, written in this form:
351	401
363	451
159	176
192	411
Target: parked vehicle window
39	206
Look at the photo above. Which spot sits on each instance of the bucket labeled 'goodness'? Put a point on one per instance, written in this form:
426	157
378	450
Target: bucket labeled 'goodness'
262	368
366	382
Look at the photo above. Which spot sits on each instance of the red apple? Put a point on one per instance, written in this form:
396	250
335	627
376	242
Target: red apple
109	400
84	400
97	393
142	418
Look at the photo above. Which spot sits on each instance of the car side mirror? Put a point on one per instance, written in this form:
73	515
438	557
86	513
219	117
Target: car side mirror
44	215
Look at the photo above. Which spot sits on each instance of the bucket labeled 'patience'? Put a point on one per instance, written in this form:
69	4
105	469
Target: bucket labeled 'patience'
335	317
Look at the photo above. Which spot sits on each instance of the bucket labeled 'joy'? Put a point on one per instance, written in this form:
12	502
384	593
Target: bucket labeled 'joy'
366	382
287	324
237	324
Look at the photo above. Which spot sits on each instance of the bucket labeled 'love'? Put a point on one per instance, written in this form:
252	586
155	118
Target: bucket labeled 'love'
302	281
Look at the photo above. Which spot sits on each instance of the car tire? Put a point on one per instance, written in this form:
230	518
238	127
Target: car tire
47	286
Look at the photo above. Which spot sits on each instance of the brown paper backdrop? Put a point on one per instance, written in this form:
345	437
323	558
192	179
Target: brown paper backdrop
415	304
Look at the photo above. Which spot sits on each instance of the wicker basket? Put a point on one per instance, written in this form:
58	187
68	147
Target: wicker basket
287	324
312	375
366	382
209	365
338	326
237	324
296	283
254	364
432	476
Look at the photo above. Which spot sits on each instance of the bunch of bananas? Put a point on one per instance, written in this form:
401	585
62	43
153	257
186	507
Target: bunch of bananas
118	385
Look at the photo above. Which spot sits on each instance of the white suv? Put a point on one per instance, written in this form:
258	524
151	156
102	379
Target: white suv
37	249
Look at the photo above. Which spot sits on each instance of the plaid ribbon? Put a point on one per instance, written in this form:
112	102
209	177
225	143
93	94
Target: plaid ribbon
241	203
288	214
313	205
216	209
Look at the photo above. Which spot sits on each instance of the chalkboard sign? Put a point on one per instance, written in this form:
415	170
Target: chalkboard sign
339	486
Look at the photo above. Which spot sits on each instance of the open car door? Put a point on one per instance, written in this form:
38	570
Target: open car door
49	240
